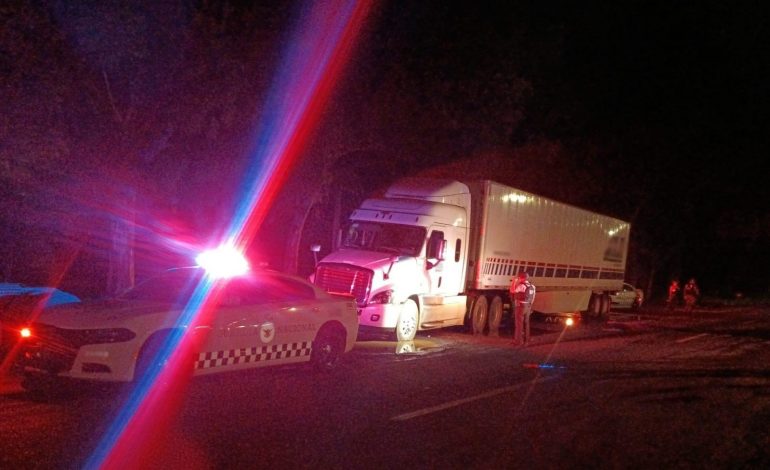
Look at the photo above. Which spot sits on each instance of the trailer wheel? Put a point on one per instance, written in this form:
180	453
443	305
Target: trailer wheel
594	307
479	313
605	302
406	328
599	307
495	315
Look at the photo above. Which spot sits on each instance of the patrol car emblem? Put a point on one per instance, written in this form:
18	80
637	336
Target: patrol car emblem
267	332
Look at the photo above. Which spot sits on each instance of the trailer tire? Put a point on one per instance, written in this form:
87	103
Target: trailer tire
606	303
408	319
594	307
495	315
479	313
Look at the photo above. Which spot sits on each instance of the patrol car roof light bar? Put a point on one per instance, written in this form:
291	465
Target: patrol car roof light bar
223	262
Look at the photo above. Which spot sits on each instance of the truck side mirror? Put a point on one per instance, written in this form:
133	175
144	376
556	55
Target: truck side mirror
315	249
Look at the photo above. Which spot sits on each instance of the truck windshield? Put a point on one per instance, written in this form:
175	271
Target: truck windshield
390	238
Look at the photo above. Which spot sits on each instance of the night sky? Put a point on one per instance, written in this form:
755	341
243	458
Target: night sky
665	103
653	112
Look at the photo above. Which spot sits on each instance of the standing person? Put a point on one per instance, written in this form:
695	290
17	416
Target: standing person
522	295
691	294
673	291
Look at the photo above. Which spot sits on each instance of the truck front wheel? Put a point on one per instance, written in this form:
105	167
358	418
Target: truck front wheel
406	328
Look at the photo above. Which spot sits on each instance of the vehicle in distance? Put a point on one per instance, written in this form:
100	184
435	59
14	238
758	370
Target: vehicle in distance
627	298
258	319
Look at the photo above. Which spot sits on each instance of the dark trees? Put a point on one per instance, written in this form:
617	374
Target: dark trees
118	120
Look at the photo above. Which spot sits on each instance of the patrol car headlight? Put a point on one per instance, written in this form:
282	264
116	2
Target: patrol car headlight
105	335
384	297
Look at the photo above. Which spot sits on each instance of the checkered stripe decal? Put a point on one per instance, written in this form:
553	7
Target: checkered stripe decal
231	357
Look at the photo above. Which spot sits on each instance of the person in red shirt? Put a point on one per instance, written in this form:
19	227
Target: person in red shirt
673	291
522	295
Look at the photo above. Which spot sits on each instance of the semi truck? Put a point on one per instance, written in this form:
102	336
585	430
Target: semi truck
434	253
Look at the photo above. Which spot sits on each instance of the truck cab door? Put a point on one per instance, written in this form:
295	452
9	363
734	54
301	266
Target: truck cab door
444	265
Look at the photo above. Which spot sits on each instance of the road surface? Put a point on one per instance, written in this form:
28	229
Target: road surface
657	390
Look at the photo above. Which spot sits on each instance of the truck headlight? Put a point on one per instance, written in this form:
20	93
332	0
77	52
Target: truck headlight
384	297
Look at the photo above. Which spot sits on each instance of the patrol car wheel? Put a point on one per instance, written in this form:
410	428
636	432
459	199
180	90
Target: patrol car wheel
328	346
479	314
406	328
148	356
495	315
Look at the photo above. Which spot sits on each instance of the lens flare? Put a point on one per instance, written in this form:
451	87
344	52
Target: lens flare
223	262
322	41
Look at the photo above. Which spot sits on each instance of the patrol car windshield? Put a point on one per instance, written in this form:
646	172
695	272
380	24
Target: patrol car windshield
172	286
389	238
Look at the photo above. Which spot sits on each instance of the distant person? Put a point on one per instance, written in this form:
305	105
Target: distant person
673	292
691	295
522	295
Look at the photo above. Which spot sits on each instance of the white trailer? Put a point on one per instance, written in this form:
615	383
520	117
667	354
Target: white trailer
433	253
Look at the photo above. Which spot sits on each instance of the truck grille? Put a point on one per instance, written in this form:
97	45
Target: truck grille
345	279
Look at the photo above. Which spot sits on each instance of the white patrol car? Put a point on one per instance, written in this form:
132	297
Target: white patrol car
630	297
258	319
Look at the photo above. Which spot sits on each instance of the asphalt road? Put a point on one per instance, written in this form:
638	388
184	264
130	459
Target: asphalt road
657	390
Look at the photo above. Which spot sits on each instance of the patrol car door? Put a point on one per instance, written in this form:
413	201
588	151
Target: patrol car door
250	327
296	315
242	328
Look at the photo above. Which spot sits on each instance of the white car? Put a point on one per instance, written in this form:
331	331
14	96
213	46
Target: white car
262	318
628	298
